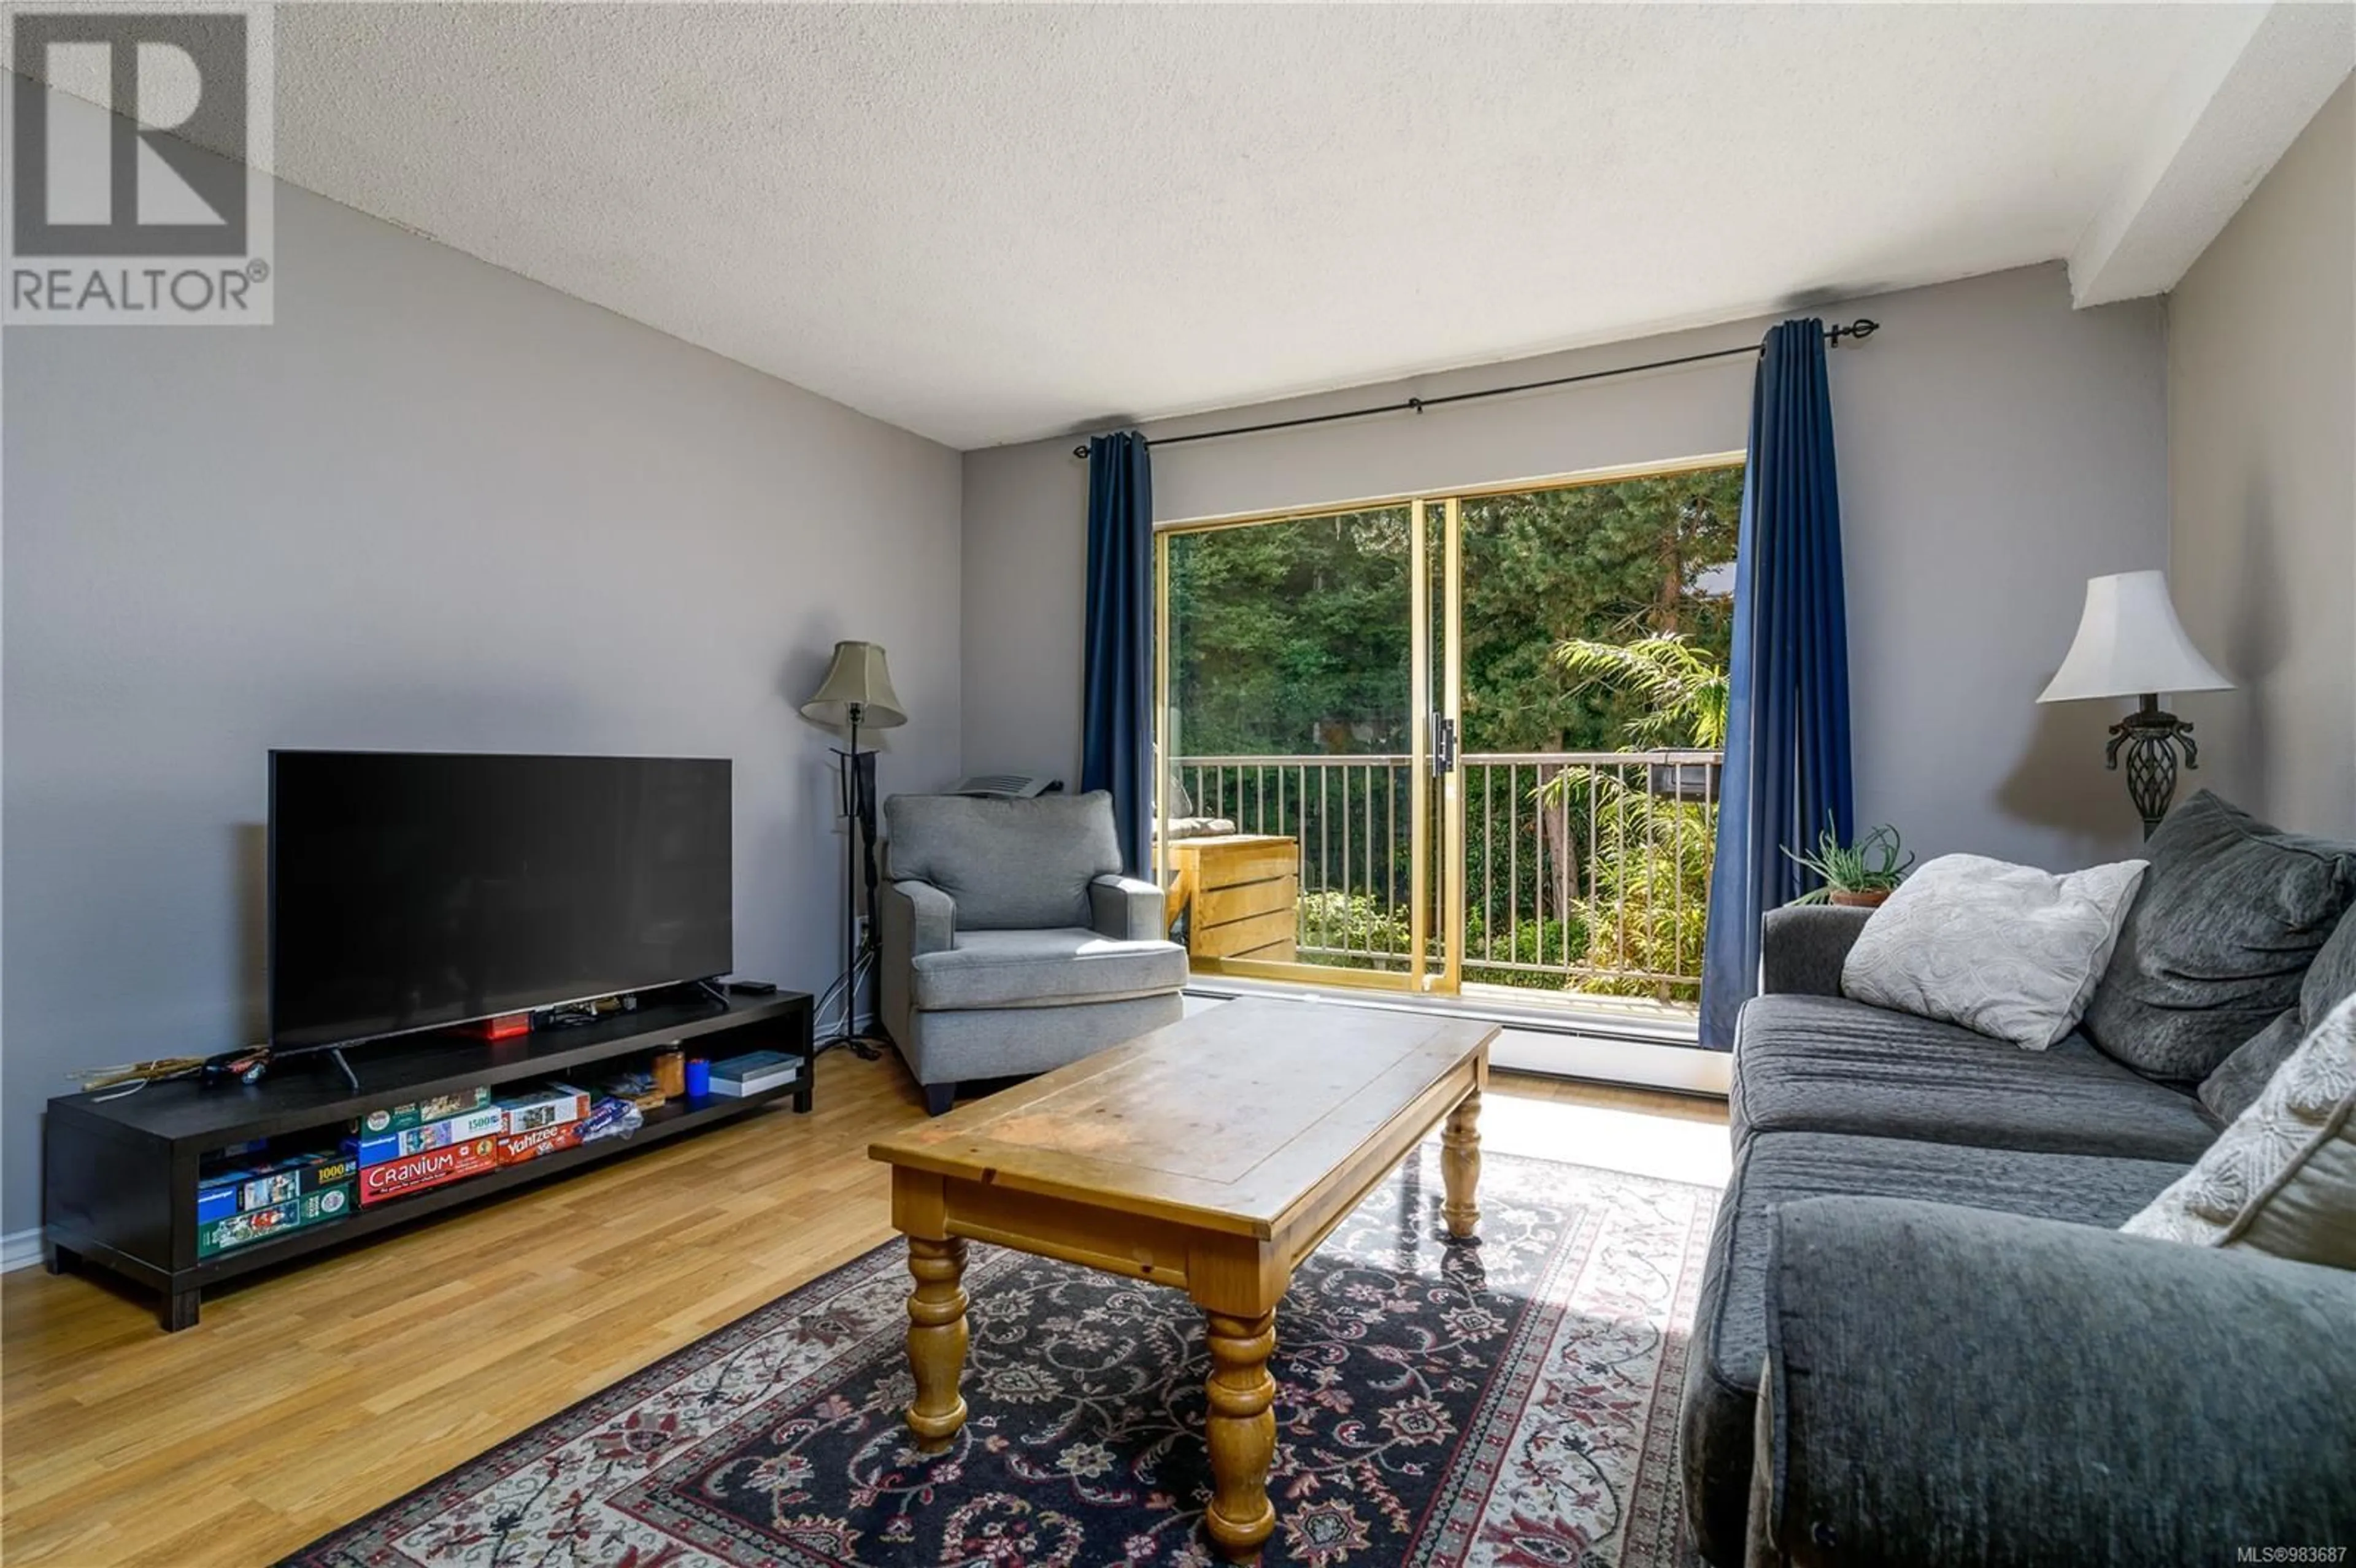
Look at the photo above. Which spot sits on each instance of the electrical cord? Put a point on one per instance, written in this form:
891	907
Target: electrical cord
838	1030
828	999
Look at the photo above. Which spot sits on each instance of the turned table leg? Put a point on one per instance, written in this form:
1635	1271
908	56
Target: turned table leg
936	1339
1460	1166
1241	1432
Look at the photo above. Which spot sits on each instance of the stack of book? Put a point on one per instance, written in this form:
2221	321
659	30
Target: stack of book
751	1074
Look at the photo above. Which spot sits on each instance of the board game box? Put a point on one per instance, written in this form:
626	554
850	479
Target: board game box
431	1167
552	1106
376	1148
309	1208
401	1118
514	1148
267	1186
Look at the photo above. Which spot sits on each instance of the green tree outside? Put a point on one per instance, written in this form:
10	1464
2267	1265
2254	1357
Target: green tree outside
1293	638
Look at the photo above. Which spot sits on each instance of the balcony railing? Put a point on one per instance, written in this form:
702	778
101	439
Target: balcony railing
1584	870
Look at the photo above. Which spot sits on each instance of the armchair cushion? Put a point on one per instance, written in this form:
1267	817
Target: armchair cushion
1010	864
1128	909
1043	969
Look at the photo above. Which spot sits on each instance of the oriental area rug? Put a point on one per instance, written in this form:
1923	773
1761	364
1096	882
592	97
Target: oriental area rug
1511	1405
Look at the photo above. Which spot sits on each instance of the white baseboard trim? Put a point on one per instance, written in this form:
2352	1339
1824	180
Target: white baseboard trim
1682	1069
1561	1050
20	1249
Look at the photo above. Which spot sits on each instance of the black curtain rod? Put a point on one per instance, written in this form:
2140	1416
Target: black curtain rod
1861	329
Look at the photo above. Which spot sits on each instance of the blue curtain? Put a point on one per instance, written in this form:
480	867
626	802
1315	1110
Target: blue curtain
1787	757
1117	704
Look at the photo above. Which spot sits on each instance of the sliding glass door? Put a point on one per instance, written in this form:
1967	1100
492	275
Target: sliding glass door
1292	804
1453	743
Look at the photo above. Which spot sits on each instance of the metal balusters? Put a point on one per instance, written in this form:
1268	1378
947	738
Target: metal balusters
1513	862
1391	853
1619	833
1488	923
1538	863
1349	845
1571	871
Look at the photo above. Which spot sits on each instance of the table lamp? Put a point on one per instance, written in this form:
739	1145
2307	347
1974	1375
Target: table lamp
2130	644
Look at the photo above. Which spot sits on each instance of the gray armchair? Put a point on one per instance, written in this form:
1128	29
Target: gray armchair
1011	942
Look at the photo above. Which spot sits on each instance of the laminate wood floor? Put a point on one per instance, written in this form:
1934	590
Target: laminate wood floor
307	1396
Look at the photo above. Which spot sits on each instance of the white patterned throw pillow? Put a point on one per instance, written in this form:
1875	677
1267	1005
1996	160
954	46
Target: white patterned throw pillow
2282	1179
2007	950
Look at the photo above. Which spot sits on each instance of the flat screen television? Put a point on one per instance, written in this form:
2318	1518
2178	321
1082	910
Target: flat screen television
415	891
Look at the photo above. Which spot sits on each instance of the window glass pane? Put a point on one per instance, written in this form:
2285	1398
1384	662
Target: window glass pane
1289	645
1596	625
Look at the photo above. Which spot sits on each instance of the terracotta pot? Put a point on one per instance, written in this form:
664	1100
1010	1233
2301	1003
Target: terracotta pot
1872	899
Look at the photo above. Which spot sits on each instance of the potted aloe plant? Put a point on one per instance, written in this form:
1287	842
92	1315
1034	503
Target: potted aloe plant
1858	875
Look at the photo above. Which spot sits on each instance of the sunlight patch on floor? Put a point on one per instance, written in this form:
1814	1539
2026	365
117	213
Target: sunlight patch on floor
1670	1148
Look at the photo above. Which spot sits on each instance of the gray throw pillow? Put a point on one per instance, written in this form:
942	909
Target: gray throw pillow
2331	980
2241	1077
2218	940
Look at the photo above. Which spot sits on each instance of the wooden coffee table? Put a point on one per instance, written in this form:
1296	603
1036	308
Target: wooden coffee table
1212	1156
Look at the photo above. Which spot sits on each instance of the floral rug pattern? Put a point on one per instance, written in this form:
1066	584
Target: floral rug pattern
1510	1405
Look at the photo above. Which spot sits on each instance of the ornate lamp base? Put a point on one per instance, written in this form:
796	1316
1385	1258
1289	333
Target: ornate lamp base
2151	738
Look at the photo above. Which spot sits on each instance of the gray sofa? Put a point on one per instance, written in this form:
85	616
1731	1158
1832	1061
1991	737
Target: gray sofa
1011	943
1921	1340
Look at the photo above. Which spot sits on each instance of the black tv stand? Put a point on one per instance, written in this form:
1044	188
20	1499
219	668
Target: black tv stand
335	1054
120	1174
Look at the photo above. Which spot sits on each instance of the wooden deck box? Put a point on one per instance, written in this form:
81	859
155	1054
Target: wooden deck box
1241	892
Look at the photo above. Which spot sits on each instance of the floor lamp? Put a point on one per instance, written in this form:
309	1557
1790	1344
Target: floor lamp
856	694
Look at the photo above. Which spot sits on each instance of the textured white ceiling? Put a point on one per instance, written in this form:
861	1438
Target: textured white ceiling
991	223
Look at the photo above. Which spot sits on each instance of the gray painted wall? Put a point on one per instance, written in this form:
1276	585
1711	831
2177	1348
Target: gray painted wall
1996	448
2262	430
435	506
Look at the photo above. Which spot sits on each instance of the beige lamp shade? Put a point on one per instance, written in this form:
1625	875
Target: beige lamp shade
2129	644
858	679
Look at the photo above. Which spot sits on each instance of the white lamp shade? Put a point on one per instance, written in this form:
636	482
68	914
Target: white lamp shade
2129	643
857	679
